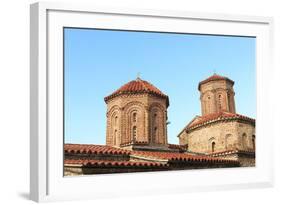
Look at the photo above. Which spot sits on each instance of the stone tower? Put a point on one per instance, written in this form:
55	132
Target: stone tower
220	130
137	115
217	95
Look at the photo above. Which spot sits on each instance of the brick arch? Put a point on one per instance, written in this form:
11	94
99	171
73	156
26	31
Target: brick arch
158	105
129	110
114	126
211	143
157	123
113	109
220	100
208	101
230	98
220	90
133	103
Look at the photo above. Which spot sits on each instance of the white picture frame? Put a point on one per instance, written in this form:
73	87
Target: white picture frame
46	140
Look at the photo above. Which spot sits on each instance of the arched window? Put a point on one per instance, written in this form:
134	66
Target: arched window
213	146
134	132
134	117
115	120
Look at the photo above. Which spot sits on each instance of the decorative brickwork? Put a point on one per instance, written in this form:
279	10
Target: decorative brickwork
136	112
217	95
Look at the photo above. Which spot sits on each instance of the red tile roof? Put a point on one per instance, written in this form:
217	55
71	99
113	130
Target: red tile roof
94	149
227	152
173	156
135	87
150	155
106	163
213	78
214	117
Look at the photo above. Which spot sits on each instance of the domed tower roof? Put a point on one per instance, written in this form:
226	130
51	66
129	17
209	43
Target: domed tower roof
137	86
215	77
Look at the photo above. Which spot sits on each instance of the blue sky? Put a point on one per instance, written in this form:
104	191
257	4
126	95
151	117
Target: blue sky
97	62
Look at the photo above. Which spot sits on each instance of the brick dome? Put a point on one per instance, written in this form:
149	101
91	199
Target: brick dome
137	86
214	78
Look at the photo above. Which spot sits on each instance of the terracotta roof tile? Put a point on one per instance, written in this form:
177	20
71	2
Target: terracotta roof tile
135	87
215	117
107	163
234	151
150	155
183	157
94	149
213	78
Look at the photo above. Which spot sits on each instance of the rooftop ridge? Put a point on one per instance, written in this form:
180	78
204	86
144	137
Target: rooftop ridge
214	117
137	86
215	77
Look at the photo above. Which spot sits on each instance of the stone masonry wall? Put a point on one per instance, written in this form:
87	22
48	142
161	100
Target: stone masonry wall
227	135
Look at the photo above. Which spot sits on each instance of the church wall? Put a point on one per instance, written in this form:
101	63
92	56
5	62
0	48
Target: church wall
227	135
247	132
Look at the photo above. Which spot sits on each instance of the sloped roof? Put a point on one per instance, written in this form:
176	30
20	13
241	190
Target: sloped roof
93	149
137	86
214	78
183	157
149	158
214	117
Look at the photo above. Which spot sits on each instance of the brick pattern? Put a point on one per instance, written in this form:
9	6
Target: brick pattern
137	86
225	134
93	149
215	77
137	112
217	95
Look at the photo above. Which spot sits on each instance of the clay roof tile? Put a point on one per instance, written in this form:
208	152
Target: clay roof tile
223	115
214	78
137	86
95	149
